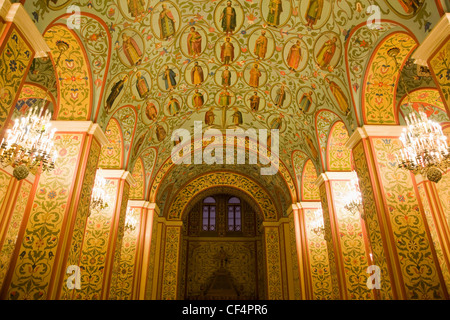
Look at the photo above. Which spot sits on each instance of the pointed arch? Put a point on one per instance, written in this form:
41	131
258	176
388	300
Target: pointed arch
298	159
339	157
127	117
137	190
310	191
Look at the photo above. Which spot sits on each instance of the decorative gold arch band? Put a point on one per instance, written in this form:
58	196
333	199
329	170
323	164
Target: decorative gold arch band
219	179
168	165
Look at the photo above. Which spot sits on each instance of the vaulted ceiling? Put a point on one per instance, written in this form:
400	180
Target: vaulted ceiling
320	51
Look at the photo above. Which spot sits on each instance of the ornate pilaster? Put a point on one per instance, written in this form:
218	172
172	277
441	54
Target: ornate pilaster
347	249
399	235
54	220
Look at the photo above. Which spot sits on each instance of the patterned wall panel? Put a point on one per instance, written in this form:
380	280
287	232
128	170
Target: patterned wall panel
38	247
338	155
443	188
381	79
440	67
137	190
112	153
171	259
15	59
273	263
13	228
310	192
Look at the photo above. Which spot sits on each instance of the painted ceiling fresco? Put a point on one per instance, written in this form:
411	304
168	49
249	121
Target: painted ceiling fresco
156	66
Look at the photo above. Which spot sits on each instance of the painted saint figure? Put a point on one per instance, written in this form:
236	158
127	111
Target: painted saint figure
173	106
227	51
142	85
224	98
150	111
341	98
226	77
166	22
197	99
275	10
276	123
131	50
115	91
294	56
255	74
209	117
197	74
281	96
136	8
228	19
311	146
261	45
237	117
254	101
169	78
410	6
314	12
160	133
194	43
326	53
306	101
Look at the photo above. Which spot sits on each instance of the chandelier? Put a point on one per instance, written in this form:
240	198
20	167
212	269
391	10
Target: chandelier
317	226
29	144
354	198
425	148
130	220
99	197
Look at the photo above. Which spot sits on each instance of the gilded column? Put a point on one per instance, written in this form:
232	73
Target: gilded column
433	53
316	267
274	271
436	217
349	258
20	43
170	260
54	220
14	197
400	237
100	252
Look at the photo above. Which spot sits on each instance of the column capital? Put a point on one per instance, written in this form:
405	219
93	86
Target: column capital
81	126
16	14
438	34
328	176
118	174
373	131
309	205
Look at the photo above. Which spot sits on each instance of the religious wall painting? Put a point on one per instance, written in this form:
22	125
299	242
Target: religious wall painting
56	4
193	41
130	48
327	51
261	44
169	77
141	85
315	13
196	73
236	118
115	90
296	54
307	100
229	16
255	100
405	8
161	131
338	95
310	145
255	75
197	98
165	20
133	10
277	122
227	50
276	13
226	76
281	96
427	100
210	117
149	111
173	105
225	98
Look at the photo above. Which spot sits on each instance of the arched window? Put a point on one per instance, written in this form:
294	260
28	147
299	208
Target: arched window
209	214
234	214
